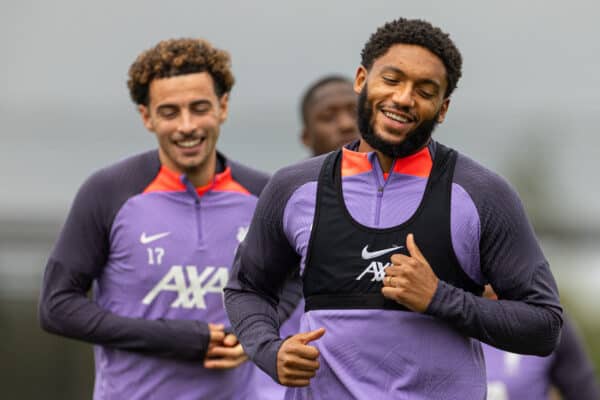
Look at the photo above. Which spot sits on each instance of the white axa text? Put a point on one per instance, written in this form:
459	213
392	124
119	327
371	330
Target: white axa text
210	280
377	269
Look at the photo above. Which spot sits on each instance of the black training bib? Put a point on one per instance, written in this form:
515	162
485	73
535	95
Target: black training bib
346	261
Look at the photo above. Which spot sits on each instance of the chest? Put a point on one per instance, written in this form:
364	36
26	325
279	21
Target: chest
160	235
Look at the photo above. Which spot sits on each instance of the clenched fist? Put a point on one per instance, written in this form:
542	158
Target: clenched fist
296	360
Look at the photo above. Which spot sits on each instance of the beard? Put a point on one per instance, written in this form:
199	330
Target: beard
415	141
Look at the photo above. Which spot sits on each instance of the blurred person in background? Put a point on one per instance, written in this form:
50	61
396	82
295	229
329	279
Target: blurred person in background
154	235
568	369
408	326
328	115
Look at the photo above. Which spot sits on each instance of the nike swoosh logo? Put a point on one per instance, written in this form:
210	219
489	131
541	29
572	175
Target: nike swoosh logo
367	255
149	239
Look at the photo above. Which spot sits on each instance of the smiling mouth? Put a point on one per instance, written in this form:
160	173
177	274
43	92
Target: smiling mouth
189	143
402	118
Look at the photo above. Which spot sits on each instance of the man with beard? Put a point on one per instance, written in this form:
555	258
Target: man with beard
395	236
155	236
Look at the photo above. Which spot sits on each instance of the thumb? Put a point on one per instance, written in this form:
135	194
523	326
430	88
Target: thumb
308	337
413	250
216	327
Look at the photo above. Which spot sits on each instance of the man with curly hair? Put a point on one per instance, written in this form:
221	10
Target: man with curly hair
395	236
154	235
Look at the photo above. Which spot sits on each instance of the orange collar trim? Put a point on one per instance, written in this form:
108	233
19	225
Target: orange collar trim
170	181
418	164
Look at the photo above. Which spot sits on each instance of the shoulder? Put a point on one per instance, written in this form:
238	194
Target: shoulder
490	192
284	183
288	179
478	180
108	188
252	179
132	173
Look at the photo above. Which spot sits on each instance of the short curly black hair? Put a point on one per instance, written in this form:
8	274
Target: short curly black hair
179	57
420	33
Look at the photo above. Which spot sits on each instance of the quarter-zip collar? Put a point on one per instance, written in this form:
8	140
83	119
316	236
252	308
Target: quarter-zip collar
355	162
170	181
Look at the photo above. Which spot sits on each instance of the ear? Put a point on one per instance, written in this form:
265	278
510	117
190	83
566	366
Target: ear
224	107
145	114
443	110
360	78
305	138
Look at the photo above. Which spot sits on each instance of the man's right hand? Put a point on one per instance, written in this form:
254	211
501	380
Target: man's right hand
296	360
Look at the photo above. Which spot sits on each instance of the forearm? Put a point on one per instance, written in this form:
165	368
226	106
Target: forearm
256	323
66	310
290	297
516	326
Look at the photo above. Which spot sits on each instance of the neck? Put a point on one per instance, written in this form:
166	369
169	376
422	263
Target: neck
200	175
384	161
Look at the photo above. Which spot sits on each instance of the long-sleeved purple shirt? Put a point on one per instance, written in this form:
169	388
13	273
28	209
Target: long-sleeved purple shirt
514	376
389	353
157	252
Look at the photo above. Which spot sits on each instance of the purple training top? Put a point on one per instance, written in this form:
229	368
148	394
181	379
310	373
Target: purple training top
388	353
158	253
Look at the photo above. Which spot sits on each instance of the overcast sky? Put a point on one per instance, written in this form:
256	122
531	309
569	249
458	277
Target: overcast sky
529	97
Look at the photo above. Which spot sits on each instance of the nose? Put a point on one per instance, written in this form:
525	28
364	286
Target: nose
403	95
186	125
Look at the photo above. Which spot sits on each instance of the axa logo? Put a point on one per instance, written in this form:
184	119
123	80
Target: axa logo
376	269
210	280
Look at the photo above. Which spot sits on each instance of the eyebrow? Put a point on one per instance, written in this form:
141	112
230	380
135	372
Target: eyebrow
396	70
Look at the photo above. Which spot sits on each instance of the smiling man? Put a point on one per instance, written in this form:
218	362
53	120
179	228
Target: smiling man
155	236
395	236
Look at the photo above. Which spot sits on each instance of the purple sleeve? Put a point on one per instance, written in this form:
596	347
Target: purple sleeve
572	371
264	263
528	317
255	181
79	257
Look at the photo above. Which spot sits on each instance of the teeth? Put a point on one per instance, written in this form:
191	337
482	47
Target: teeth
395	117
189	143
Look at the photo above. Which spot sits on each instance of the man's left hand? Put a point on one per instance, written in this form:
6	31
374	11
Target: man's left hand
226	355
410	280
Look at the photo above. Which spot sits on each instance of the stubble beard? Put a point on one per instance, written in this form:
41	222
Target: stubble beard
415	141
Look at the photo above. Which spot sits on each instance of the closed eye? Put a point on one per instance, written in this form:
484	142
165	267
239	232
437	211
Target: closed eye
167	112
425	94
200	108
